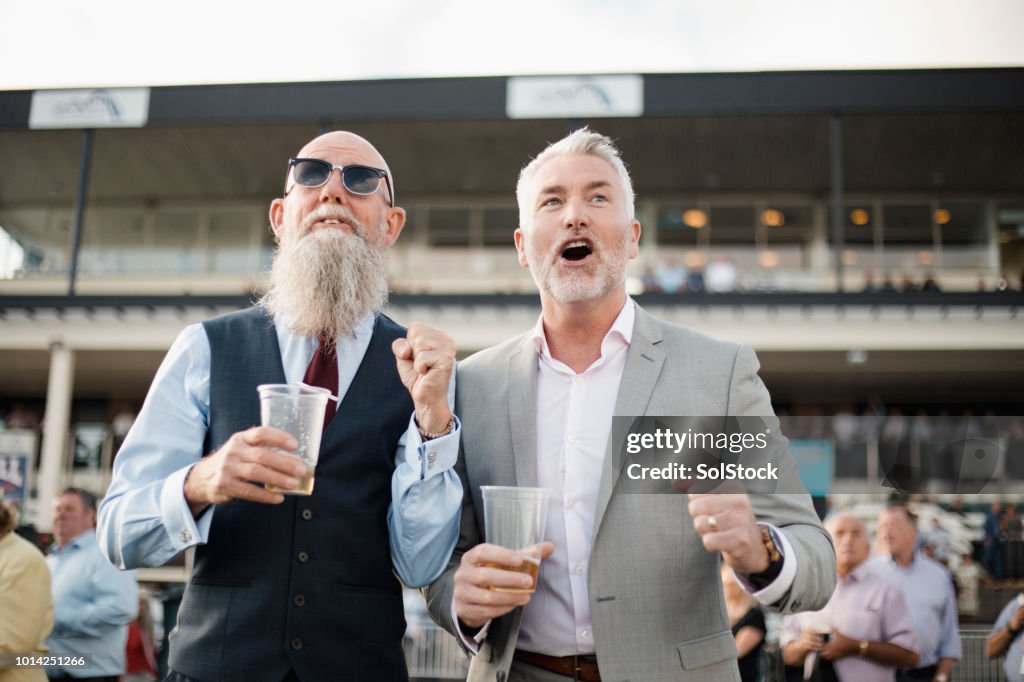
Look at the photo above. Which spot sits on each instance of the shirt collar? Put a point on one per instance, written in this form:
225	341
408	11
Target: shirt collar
619	335
914	559
860	572
363	328
77	541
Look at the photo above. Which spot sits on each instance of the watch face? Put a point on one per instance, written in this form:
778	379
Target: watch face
769	543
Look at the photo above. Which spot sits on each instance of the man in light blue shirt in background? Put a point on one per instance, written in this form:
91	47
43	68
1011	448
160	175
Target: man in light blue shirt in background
928	589
93	601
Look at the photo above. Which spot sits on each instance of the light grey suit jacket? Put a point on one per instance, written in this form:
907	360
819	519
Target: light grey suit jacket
655	593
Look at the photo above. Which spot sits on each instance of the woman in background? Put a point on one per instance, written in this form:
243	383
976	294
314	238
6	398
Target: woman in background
747	622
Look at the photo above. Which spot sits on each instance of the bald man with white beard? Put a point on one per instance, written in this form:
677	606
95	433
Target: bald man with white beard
290	587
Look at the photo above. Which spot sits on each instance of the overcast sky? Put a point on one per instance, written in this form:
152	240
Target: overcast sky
71	43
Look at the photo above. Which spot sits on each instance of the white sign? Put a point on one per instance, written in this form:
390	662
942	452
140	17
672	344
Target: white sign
97	108
574	96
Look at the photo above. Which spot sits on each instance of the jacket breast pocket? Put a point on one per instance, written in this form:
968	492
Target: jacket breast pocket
702	651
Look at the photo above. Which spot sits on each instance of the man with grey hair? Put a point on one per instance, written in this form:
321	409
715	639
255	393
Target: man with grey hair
289	587
865	630
629	585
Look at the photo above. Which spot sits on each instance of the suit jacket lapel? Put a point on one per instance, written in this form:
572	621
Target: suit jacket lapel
522	411
644	361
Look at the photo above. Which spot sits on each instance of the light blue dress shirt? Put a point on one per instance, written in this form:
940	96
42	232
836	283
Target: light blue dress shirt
1015	651
93	604
144	519
932	602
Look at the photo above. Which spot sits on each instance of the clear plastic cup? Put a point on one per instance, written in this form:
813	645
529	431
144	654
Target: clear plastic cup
298	410
515	518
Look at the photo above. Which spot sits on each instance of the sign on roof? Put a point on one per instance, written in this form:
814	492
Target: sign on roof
572	96
96	108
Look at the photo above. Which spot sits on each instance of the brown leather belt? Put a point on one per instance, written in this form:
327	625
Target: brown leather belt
581	668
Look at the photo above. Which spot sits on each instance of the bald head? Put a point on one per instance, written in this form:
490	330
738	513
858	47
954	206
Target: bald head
850	538
348	145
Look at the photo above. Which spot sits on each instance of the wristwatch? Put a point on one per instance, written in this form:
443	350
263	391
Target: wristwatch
862	648
942	677
766	577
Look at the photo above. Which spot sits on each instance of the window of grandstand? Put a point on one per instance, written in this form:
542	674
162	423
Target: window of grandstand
732	224
907	224
1010	221
680	225
499	226
860	223
114	241
448	227
176	240
962	222
231	241
786	224
31	247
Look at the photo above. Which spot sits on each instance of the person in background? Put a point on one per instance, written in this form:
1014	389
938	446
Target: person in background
968	576
871	633
671	277
1005	639
140	652
26	603
992	545
93	601
928	590
747	623
930	283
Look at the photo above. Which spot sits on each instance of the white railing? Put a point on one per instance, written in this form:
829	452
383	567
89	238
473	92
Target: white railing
432	653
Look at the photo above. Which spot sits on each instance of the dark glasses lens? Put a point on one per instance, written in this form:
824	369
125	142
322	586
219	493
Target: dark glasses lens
362	180
310	172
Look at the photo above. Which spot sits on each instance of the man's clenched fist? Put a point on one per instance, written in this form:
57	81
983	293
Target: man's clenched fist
425	359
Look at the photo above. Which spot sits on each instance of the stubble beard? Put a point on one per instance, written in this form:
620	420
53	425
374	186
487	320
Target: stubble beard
323	283
596	280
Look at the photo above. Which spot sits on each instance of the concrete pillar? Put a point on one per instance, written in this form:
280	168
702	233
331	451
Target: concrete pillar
59	389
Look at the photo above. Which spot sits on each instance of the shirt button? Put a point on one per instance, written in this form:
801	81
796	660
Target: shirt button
303	557
578	380
585	634
571	439
570	503
578	570
307	514
186	536
300	600
431	459
296	643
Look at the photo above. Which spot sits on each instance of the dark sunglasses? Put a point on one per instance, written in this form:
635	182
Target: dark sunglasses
361	180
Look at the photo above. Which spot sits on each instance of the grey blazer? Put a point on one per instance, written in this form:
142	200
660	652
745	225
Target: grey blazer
655	593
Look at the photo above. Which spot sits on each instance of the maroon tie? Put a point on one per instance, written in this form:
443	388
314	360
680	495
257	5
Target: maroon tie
323	372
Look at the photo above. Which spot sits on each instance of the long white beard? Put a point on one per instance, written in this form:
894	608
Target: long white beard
323	283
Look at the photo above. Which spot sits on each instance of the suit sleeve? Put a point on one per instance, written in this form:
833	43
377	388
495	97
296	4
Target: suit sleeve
789	507
440	593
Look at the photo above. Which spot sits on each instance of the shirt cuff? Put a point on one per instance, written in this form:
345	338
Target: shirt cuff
778	588
183	530
434	456
471	643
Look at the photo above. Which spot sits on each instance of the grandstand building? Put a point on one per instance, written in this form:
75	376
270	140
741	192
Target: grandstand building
775	209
